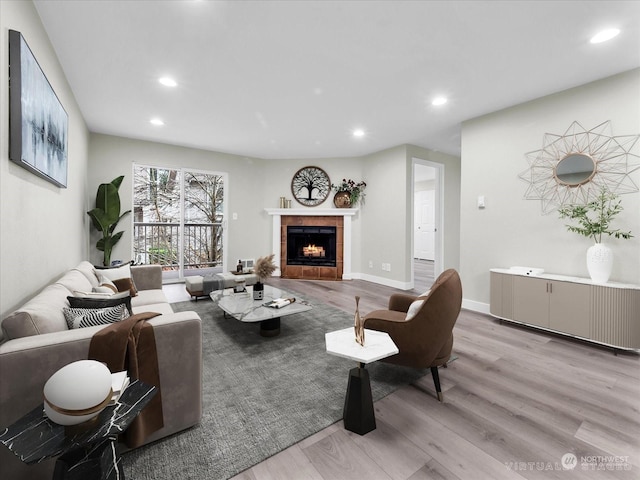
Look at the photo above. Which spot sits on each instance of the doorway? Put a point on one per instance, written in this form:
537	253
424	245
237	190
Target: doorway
427	219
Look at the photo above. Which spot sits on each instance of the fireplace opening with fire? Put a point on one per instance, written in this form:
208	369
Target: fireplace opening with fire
311	246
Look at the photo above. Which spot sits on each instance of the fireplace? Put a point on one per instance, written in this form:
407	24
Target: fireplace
320	218
311	245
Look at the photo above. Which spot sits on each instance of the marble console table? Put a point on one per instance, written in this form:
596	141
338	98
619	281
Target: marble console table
86	452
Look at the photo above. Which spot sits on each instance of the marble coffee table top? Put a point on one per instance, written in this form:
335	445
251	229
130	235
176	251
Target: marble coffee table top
243	307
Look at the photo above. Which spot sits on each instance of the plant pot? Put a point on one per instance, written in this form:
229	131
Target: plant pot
342	200
599	262
258	291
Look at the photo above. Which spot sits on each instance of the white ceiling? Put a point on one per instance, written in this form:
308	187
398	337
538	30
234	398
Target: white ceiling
292	79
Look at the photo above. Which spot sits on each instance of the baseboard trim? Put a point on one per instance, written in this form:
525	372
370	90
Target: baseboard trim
382	281
474	306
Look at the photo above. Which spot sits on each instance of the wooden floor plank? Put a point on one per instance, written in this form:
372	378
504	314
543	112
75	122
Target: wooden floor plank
391	450
612	442
454	452
290	463
433	471
337	457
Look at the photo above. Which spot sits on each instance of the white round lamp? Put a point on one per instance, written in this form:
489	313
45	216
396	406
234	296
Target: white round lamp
77	392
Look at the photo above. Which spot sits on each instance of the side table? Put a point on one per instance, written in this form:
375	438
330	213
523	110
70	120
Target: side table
358	413
85	452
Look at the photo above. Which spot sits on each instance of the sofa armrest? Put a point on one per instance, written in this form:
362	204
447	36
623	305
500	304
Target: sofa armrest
400	302
147	277
27	363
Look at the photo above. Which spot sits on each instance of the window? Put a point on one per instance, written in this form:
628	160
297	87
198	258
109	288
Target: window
179	218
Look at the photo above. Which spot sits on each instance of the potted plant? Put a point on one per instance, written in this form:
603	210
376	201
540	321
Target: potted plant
594	220
263	268
106	215
348	193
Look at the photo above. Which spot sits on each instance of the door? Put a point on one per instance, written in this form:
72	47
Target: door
178	220
427	235
424	225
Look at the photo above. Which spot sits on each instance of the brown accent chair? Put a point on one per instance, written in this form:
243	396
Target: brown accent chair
422	327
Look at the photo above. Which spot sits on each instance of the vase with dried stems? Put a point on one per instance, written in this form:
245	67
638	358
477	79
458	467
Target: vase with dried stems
358	324
263	268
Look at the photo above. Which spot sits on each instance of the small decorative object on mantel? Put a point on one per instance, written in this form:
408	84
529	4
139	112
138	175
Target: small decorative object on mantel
603	210
285	202
358	324
348	193
264	268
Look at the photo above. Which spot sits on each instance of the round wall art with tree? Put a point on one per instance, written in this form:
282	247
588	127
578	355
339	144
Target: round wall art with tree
310	186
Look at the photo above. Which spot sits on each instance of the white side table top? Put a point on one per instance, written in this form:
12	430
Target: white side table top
377	345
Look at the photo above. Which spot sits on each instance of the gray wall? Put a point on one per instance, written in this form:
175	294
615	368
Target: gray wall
381	230
511	230
114	156
43	228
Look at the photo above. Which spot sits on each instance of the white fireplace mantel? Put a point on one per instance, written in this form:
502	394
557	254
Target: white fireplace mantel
345	213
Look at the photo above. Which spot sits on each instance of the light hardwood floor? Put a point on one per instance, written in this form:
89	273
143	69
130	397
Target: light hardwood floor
516	402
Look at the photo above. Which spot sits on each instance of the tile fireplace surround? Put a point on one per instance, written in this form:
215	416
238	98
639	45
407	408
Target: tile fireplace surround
338	217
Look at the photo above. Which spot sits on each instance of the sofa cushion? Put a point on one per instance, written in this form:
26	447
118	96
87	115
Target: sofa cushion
161	308
41	314
149	297
89	271
90	317
74	280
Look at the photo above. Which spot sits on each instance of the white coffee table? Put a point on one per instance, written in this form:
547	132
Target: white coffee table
244	308
358	414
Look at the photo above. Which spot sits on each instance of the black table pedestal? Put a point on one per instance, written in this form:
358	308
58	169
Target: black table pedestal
358	412
270	327
101	462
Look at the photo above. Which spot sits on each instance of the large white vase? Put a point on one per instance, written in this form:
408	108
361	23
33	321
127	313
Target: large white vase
599	262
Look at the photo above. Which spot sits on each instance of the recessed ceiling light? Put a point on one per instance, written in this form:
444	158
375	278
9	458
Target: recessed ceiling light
168	81
358	132
156	121
438	101
605	35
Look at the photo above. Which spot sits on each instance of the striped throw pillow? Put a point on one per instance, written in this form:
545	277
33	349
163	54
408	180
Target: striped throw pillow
90	317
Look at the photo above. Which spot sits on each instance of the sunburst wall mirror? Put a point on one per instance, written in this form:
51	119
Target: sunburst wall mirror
572	168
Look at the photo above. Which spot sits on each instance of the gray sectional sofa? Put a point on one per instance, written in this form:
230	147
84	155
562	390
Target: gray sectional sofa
37	342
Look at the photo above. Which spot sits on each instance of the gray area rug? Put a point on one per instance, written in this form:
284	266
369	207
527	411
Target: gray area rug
260	395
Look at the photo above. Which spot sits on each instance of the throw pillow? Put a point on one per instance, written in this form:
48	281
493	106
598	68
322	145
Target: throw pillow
121	277
90	317
100	300
414	308
105	284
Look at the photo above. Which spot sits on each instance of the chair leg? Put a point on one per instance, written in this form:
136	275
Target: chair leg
436	381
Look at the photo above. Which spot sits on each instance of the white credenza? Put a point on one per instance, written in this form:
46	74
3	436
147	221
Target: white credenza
608	314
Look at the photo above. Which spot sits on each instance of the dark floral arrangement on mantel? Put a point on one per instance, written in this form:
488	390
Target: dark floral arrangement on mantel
355	190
